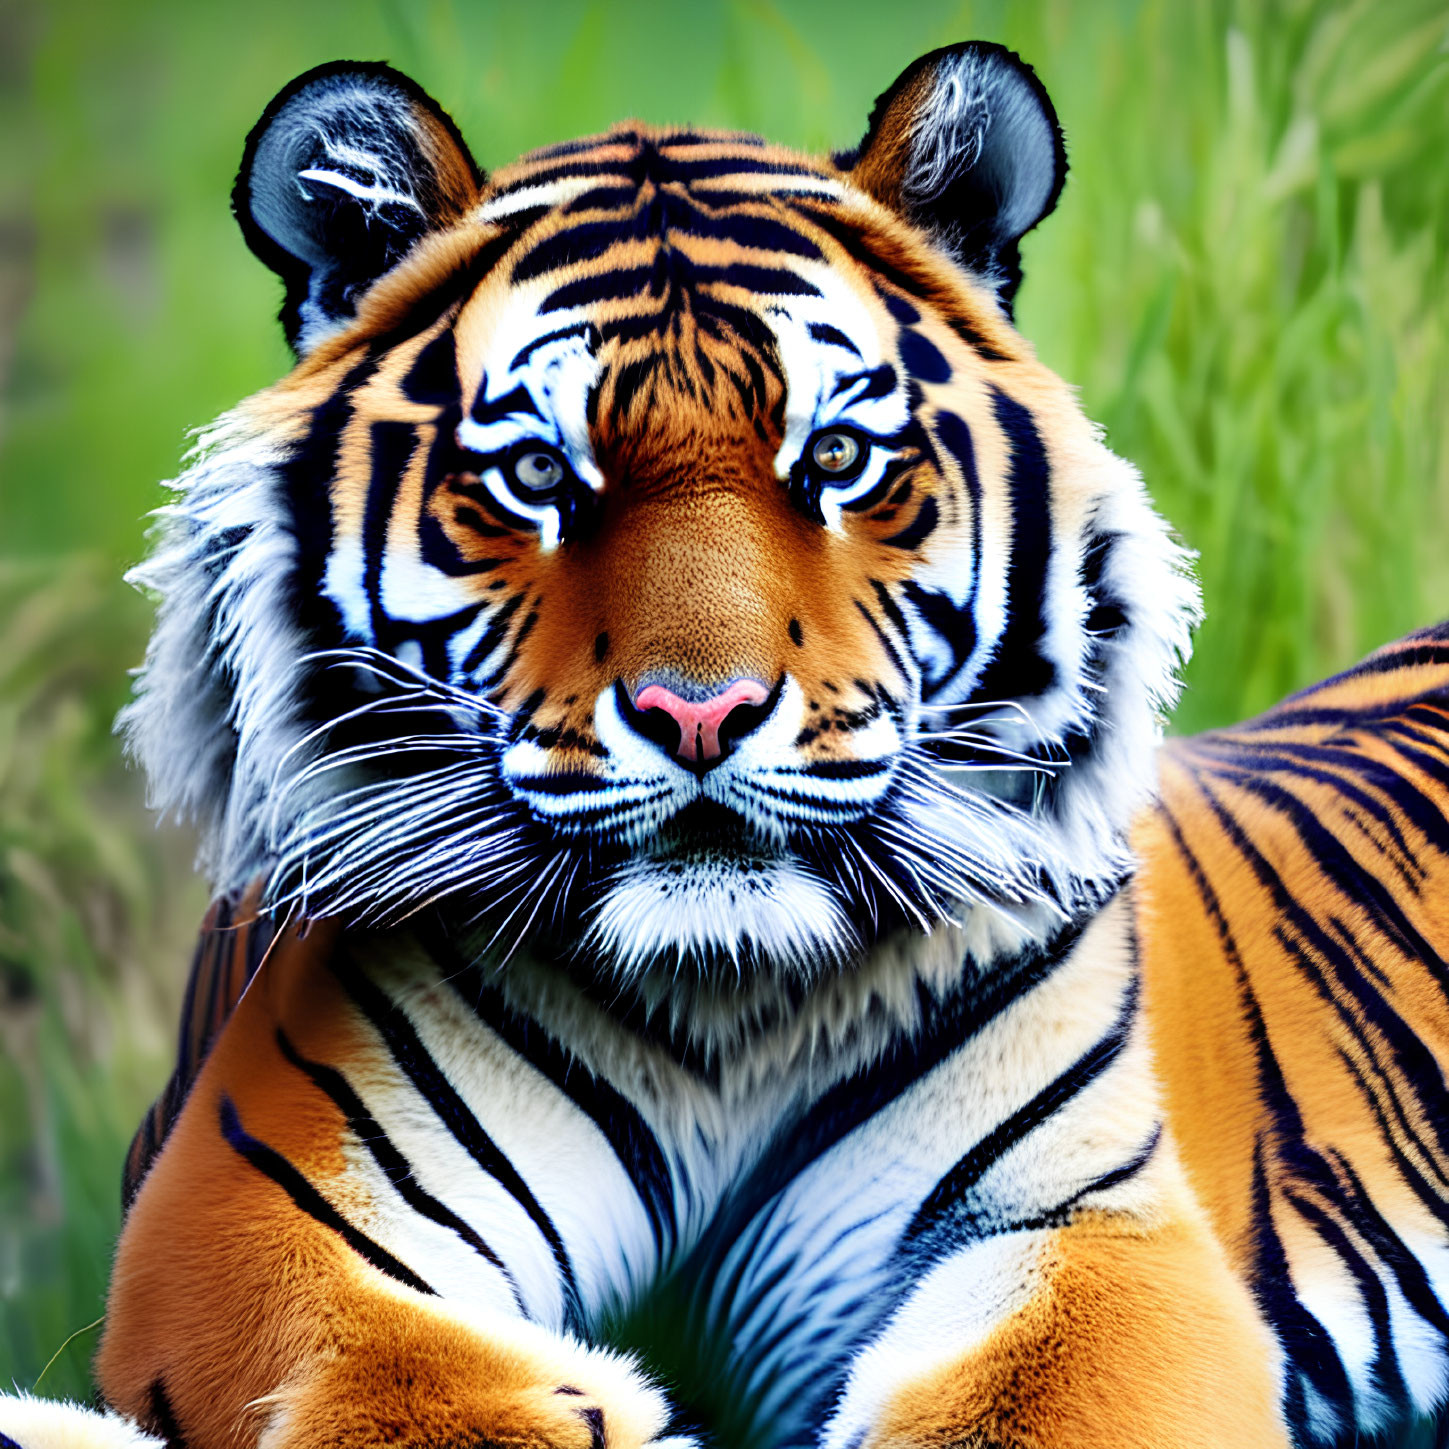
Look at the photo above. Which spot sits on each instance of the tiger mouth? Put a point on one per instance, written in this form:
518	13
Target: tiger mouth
705	831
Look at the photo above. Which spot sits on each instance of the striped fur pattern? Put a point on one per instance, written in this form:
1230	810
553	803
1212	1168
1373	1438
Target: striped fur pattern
834	1220
1299	863
233	943
799	1060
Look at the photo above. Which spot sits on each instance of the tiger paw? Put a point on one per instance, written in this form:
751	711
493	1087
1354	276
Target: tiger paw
457	1390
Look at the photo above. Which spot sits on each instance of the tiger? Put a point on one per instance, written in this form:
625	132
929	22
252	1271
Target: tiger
709	945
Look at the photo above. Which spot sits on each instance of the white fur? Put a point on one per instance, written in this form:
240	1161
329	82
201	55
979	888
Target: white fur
214	716
374	195
552	1143
951	1311
49	1424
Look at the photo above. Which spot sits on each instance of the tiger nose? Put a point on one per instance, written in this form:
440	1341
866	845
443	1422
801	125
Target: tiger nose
706	725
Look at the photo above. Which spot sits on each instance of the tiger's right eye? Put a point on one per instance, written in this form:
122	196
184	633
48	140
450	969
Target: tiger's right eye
538	472
835	453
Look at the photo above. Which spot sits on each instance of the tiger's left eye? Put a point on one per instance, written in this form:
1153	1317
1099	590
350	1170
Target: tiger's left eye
538	472
835	453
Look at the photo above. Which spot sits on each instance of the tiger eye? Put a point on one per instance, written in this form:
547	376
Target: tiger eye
835	452
538	472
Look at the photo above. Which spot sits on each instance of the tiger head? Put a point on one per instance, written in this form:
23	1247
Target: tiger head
665	550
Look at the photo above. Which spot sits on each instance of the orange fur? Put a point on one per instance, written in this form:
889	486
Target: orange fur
1140	1339
315	1346
1200	1000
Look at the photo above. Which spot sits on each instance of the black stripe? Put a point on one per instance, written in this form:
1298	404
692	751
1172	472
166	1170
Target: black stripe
488	681
492	637
439	551
398	1032
879	382
920	528
1118	1175
392	449
1309	1350
306	476
272	1164
1339	865
1384	1369
832	336
1018	669
623	1126
516	402
949	1023
1319	957
956	626
886	643
947	1200
713	166
842	769
586	330
856	246
769	281
1307	1345
607	286
395	1166
569	148
1427	1193
582	242
678	140
632	378
659	167
667	214
612	196
1061	1215
953	435
922	358
164	1417
892	612
750	229
1433	650
1335	768
1408	1271
433	377
211	960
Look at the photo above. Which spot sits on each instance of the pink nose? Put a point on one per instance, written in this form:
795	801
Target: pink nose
699	722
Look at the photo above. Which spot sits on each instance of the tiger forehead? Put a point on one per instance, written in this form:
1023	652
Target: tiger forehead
719	195
674	246
725	164
632	230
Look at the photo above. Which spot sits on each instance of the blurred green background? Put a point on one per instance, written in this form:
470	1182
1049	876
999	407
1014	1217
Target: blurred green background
1246	279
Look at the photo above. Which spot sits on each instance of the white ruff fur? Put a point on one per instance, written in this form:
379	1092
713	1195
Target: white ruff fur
49	1424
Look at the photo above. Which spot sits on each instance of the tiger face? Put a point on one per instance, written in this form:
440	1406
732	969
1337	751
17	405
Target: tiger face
666	550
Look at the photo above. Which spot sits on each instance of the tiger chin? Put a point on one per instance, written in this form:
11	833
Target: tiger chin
707	948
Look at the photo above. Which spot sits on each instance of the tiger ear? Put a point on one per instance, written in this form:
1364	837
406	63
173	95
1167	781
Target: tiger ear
966	146
348	167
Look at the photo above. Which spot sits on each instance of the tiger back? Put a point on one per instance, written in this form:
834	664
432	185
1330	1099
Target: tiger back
1294	914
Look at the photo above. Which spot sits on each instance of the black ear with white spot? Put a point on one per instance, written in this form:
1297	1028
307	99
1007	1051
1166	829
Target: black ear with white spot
966	145
348	167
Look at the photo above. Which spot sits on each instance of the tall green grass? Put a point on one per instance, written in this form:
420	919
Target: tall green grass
1246	277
